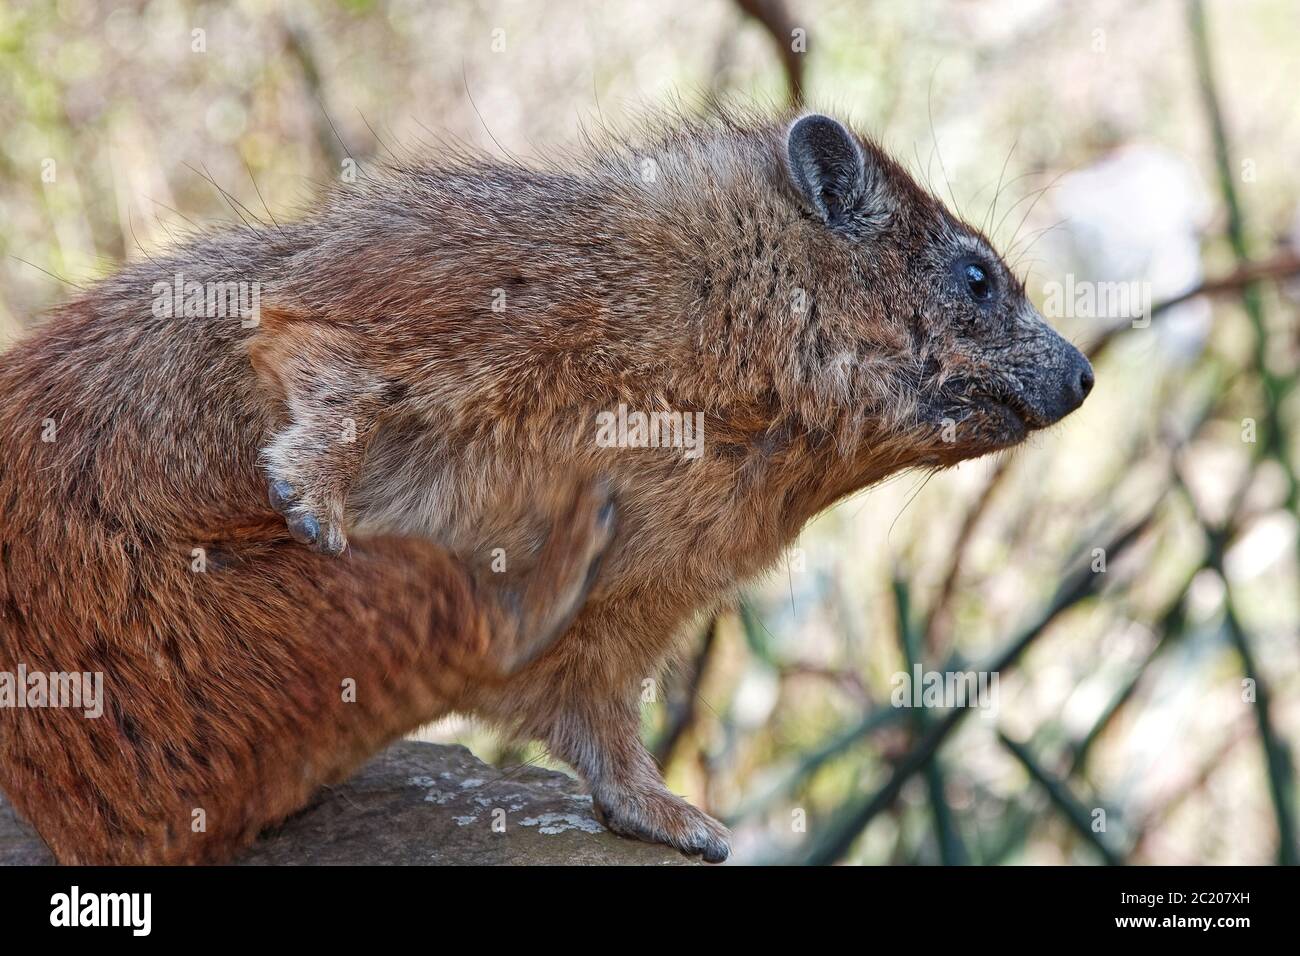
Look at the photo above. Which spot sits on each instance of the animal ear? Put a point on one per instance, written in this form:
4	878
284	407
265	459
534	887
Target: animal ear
828	168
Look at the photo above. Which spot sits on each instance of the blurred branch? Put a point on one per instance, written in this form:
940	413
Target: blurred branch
877	720
1277	754
773	16
846	680
938	621
951	850
1274	443
1062	799
1279	267
297	43
842	832
1169	627
1171	623
757	636
684	710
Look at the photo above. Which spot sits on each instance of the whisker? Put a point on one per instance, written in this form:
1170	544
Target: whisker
997	192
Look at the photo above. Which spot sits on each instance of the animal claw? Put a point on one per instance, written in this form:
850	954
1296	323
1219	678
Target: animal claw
304	528
281	495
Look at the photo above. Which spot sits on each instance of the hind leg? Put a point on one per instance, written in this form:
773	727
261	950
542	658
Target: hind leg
430	631
276	675
602	740
541	606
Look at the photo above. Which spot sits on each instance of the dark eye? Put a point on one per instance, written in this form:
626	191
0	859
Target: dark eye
977	282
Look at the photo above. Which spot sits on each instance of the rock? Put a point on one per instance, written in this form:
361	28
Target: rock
421	803
19	844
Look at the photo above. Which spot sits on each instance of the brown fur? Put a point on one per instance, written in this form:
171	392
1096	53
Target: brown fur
824	360
239	689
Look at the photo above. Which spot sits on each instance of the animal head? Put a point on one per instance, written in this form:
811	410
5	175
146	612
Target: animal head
872	314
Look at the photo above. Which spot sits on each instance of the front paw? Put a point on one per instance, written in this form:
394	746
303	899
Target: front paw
311	521
662	817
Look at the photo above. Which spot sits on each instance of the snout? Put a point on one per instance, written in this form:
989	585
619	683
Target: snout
1076	383
1063	380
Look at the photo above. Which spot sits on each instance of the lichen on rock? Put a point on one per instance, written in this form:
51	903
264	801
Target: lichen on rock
422	803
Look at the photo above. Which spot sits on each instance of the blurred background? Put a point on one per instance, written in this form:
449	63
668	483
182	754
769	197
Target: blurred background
1131	577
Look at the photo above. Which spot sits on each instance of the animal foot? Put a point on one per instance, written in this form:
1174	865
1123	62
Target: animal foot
311	521
657	816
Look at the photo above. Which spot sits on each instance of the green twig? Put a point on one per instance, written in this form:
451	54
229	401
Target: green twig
1074	812
841	833
952	852
1274	443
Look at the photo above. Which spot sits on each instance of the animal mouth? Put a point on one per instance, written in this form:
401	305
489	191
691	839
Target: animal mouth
1014	423
1009	416
1009	404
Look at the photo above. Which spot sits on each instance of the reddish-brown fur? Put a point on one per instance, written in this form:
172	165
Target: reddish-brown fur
823	358
240	678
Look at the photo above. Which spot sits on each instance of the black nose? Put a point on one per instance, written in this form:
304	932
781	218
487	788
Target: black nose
1080	383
